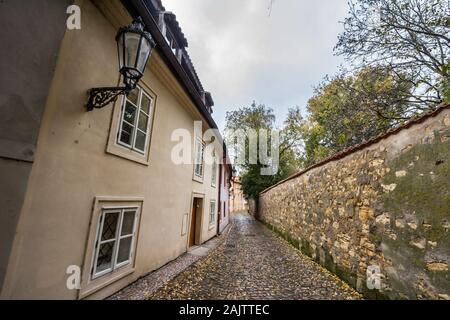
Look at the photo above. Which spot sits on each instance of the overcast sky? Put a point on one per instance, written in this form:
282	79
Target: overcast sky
242	54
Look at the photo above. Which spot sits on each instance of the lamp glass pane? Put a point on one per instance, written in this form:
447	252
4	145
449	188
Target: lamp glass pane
143	55
131	48
120	48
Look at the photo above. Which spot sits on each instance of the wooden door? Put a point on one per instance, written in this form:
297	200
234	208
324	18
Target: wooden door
193	223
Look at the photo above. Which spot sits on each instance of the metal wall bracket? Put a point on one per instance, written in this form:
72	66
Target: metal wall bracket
100	97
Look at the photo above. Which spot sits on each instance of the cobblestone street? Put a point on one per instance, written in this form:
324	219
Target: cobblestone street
254	263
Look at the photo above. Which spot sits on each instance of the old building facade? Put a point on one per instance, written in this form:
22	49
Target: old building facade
238	203
98	190
225	175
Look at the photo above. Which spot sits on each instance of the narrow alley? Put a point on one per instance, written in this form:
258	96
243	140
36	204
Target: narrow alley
254	263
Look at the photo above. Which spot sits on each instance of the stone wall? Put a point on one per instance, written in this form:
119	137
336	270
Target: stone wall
252	208
384	205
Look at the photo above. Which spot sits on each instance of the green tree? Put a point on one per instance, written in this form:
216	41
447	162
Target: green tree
258	117
349	109
409	37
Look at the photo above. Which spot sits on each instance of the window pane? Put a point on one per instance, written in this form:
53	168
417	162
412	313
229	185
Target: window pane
124	250
212	208
128	223
202	149
133	96
127	128
140	141
214	173
110	225
104	259
197	153
199	169
145	104
142	123
125	137
129	114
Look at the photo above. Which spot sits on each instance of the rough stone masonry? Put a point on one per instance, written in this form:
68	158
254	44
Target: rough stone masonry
383	205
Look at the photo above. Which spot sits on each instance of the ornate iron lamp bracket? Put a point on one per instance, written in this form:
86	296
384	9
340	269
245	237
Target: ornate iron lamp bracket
100	97
134	46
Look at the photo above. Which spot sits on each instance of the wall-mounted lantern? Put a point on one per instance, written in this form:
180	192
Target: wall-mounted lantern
134	46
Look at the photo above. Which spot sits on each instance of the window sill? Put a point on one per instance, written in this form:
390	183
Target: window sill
122	152
104	281
197	178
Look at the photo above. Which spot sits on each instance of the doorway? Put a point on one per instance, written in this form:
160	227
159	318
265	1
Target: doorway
196	216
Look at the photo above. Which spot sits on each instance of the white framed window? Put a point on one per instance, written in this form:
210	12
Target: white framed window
199	154
212	211
135	121
214	172
114	245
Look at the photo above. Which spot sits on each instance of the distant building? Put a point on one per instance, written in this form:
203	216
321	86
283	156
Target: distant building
225	174
238	203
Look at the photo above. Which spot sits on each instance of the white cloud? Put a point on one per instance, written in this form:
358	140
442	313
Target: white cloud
243	54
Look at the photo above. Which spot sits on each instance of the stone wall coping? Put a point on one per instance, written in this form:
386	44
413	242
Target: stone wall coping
341	154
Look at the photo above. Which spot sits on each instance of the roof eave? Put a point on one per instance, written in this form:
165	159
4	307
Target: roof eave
139	8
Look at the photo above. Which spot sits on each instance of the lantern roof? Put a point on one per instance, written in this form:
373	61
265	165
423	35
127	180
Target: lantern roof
136	27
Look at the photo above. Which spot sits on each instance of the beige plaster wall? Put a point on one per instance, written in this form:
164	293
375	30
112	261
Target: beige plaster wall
72	167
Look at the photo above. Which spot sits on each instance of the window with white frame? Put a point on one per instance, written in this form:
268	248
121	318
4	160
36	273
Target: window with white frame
212	211
135	121
214	172
114	246
199	151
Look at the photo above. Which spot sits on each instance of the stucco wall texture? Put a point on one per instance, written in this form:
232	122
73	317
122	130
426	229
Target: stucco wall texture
383	207
73	168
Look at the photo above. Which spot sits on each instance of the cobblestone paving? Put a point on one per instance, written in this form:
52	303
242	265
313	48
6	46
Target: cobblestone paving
254	263
155	280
